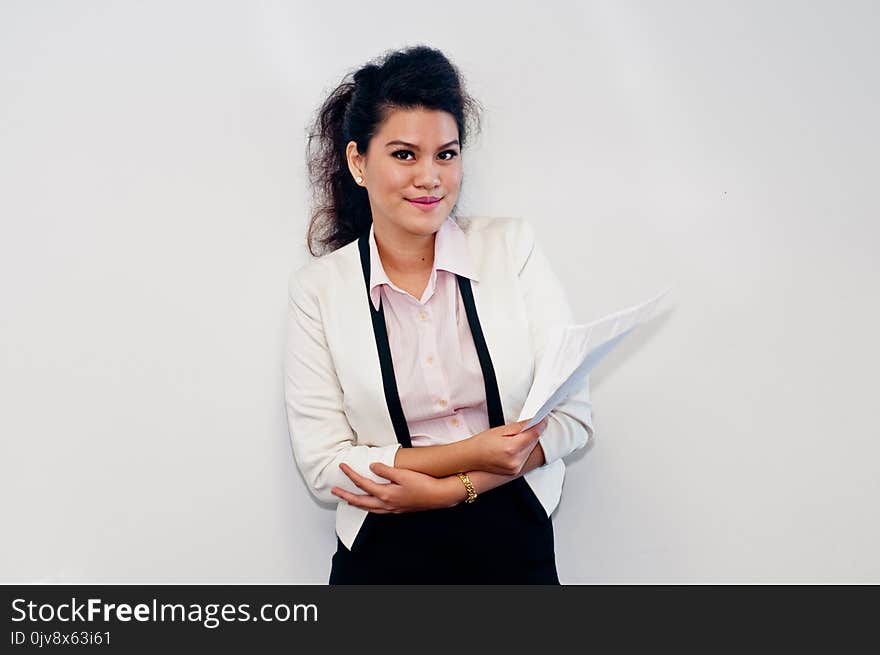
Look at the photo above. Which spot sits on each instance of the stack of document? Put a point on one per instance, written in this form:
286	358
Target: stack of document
572	351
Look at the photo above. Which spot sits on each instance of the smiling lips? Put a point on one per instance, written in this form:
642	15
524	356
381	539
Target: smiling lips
425	203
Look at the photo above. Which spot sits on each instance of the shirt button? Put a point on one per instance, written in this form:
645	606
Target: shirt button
430	359
455	421
441	402
423	316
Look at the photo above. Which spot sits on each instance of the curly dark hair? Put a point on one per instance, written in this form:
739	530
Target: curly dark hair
419	77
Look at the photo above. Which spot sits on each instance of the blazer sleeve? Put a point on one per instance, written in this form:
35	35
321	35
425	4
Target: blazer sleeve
570	424
320	433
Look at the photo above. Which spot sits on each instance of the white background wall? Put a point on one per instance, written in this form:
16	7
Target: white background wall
154	200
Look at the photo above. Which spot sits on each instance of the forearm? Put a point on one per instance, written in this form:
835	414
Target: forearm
439	461
484	481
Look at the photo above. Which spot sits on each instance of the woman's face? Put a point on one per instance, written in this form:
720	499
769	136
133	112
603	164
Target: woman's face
414	154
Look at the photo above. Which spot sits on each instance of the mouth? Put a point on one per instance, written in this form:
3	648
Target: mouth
425	202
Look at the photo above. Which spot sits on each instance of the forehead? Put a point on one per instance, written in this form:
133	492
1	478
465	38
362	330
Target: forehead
418	126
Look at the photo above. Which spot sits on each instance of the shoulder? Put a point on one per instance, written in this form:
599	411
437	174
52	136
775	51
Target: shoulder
321	273
489	238
514	234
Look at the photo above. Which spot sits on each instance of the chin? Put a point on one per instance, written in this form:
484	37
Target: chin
425	228
425	224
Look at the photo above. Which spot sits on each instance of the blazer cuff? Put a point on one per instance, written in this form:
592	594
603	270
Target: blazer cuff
359	459
565	434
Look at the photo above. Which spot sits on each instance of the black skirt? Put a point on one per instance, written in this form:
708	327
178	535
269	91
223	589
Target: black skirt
503	537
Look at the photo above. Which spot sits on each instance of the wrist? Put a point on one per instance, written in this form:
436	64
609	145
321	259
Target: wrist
455	491
471	454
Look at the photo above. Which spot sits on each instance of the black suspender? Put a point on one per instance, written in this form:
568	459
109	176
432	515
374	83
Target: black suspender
392	398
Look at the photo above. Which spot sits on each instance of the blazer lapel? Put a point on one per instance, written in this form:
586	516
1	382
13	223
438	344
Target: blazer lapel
508	340
364	397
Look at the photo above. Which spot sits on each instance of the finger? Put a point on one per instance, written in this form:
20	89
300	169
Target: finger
540	426
385	471
366	484
532	433
513	429
364	501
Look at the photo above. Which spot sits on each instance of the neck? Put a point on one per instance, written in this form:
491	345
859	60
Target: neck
404	252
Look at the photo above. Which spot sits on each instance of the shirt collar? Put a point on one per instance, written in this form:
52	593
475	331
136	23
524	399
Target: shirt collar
451	254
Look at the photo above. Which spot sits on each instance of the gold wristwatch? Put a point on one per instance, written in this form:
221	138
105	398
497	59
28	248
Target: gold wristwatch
472	493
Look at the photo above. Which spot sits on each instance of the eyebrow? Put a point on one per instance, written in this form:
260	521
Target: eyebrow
415	147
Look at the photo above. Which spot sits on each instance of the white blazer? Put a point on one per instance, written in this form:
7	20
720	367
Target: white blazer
334	398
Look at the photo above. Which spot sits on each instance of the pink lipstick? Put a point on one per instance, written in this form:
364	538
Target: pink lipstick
425	203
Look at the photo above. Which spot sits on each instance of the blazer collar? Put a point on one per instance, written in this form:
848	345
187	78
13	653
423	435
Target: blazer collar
451	254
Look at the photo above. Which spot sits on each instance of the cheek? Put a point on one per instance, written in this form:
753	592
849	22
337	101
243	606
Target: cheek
453	177
393	180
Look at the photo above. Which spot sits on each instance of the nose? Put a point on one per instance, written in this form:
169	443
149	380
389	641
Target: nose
427	176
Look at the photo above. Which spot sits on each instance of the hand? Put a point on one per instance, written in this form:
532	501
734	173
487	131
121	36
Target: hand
504	450
408	491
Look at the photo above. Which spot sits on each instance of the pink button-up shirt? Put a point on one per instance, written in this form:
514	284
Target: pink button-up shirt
435	362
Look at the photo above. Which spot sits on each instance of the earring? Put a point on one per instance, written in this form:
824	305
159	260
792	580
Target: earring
358	179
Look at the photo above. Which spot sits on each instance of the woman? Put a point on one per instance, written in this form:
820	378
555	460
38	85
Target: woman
413	340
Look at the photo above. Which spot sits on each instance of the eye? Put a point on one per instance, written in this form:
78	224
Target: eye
395	154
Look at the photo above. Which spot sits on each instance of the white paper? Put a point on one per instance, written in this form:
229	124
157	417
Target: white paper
572	351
